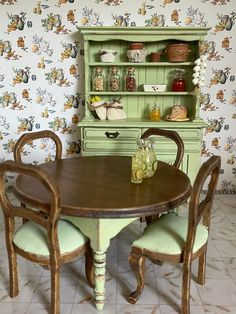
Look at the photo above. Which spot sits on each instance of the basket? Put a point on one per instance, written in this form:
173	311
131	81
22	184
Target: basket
177	52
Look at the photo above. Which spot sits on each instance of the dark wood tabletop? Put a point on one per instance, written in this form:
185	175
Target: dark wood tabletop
100	186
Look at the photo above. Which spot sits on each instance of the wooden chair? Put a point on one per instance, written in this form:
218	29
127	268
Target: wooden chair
27	138
174	136
178	239
44	238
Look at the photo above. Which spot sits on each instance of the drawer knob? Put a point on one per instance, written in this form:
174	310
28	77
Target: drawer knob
112	134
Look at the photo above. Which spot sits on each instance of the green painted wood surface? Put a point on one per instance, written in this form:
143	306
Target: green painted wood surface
137	104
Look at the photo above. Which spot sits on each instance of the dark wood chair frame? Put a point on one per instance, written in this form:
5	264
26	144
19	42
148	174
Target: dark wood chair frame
48	219
173	135
27	138
199	211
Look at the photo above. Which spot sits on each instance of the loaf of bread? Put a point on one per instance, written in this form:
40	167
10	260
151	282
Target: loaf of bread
178	112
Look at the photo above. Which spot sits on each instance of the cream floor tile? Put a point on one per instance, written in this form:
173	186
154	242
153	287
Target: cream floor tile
43	292
220	219
171	309
215	268
89	308
225	203
112	266
225	248
40	308
231	217
137	309
211	249
168	271
230	263
169	291
223	233
113	249
218	293
14	308
220	309
26	290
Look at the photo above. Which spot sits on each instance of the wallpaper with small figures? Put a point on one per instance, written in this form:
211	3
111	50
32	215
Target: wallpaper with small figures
41	69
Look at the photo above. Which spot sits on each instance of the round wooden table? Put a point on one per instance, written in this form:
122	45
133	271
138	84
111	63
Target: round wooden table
99	198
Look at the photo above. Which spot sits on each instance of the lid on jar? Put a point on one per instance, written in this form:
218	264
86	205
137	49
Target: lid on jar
130	70
114	69
98	69
141	143
155	106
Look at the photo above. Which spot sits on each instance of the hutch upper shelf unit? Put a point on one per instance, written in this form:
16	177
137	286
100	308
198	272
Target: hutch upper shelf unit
100	137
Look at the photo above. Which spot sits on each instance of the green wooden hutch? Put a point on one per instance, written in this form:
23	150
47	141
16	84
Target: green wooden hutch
118	137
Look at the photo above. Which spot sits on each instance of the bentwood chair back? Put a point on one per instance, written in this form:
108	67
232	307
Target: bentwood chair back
179	239
28	138
44	238
173	135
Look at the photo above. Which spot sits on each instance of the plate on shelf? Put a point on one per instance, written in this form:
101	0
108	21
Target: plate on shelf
177	119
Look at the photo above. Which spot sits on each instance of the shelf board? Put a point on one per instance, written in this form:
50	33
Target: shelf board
144	123
141	93
140	64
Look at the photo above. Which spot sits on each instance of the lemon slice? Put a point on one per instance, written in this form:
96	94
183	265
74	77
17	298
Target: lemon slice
154	165
144	166
139	174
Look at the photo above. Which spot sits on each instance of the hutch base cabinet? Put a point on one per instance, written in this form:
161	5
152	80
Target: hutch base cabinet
119	137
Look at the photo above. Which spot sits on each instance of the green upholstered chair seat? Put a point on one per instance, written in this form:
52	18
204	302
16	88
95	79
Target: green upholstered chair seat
31	237
168	235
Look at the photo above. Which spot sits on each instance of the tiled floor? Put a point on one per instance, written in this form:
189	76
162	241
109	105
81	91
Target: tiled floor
162	291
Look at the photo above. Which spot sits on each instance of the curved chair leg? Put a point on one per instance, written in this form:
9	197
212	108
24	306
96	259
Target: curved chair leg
13	274
137	263
202	268
55	290
186	288
12	258
89	267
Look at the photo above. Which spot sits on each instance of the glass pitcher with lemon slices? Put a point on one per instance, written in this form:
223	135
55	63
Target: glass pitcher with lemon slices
144	161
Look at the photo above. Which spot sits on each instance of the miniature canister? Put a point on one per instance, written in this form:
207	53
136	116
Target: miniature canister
98	80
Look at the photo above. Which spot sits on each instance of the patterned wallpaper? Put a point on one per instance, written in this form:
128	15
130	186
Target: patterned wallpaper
41	68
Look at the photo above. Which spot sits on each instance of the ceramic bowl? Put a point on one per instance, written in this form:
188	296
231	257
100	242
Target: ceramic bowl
136	55
107	55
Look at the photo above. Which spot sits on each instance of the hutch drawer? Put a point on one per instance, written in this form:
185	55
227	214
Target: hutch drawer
112	133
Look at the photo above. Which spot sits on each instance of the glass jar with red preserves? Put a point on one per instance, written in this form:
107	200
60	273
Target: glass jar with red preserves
130	80
178	84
